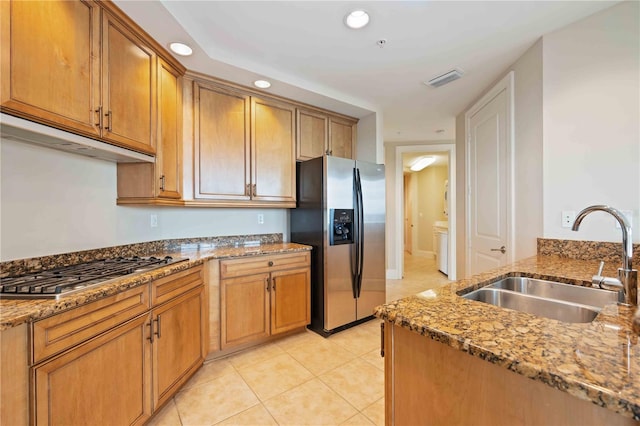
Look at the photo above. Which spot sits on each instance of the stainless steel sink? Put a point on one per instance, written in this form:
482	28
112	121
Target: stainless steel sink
562	302
553	290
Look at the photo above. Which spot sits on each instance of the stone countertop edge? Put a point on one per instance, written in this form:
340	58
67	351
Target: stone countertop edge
14	312
597	362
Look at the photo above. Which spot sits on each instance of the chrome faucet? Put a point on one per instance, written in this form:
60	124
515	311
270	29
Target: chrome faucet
627	277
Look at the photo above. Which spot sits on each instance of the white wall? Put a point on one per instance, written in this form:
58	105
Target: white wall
431	205
56	202
591	139
366	144
577	130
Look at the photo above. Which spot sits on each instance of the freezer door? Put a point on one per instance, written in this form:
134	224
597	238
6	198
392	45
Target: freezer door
372	292
340	304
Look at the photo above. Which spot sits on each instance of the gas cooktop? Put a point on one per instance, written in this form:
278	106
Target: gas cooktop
64	281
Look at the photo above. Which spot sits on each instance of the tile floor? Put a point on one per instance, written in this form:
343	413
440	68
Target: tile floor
302	379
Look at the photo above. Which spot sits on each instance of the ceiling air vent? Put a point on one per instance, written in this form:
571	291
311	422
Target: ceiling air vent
445	78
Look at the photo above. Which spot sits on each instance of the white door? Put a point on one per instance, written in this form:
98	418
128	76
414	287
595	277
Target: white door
489	140
408	216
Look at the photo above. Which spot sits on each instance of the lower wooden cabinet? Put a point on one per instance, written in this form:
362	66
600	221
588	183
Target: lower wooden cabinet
123	374
104	381
177	343
262	296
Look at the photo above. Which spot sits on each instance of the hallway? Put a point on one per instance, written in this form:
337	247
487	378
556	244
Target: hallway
303	379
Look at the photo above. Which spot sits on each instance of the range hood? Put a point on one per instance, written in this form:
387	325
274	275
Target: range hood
21	130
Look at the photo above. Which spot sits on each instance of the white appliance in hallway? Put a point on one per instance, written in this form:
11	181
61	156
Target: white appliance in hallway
441	232
341	214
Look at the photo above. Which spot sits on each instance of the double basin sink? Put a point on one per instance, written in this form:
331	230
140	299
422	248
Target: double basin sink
550	299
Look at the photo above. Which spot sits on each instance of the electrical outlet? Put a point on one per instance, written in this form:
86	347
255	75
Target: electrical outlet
568	217
153	220
628	214
260	218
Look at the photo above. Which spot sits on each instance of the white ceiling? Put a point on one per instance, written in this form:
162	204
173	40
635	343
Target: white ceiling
307	52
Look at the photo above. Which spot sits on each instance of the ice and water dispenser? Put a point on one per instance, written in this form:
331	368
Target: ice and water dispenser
342	226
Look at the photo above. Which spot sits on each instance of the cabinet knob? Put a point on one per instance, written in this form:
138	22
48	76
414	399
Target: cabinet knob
271	263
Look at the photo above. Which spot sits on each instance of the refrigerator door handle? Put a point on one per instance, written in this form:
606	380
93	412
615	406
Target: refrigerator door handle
355	254
359	225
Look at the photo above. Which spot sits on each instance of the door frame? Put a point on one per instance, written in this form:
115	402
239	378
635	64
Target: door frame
450	149
506	84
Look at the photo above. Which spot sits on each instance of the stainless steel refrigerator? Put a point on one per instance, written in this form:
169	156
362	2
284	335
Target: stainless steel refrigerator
341	213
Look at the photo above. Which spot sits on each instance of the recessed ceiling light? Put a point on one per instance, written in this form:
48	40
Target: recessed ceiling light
181	49
356	19
262	84
421	162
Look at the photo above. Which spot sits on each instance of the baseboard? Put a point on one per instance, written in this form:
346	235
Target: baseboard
425	253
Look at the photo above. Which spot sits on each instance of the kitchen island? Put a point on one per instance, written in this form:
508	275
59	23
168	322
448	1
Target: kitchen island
450	360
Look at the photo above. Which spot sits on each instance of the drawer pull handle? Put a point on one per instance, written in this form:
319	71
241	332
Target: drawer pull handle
150	325
158	326
99	123
274	284
382	339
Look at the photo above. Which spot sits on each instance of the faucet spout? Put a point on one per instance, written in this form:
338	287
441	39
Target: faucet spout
627	275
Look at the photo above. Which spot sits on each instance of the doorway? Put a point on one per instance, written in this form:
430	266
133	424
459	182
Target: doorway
403	226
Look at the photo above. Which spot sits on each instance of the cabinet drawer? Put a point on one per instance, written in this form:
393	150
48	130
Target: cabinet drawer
59	332
167	288
261	264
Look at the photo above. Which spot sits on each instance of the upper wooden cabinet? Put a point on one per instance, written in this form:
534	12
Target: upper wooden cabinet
321	133
313	134
51	63
342	137
159	182
243	148
128	110
81	66
273	161
222	143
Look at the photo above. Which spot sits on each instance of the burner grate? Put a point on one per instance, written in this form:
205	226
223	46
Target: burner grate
66	280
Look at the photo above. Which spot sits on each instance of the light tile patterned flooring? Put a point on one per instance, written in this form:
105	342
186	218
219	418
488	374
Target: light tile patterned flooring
302	379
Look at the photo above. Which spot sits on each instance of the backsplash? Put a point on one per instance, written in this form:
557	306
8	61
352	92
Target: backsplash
24	266
586	250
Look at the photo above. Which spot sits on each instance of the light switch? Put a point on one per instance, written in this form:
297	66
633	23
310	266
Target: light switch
568	217
153	222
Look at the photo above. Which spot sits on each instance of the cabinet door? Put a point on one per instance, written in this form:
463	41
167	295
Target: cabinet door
312	139
168	159
177	343
50	62
341	138
244	306
290	299
273	171
222	143
104	381
128	87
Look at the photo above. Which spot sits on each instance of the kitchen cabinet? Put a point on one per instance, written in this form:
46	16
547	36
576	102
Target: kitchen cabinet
81	66
159	182
313	134
320	133
104	380
342	137
243	151
428	382
48	74
262	296
128	110
120	358
176	331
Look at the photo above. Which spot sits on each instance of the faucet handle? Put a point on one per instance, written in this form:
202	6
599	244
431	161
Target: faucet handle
600	268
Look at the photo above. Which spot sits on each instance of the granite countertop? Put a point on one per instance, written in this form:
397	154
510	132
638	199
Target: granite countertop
14	312
597	361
